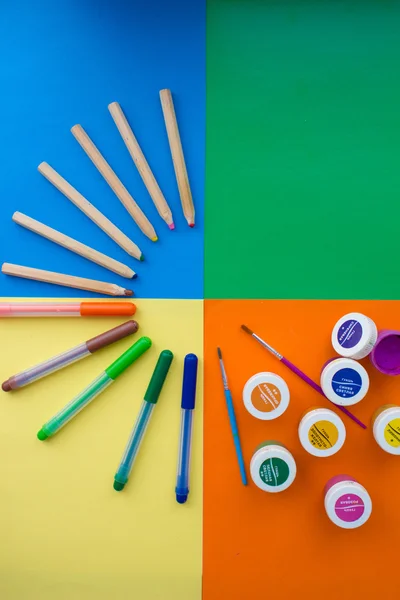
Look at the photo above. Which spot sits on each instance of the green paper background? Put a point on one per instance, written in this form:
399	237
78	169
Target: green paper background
302	165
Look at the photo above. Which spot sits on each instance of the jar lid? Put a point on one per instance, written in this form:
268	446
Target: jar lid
354	335
322	432
386	430
273	468
348	504
266	396
344	381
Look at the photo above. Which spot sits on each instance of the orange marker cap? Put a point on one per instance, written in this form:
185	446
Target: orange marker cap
107	309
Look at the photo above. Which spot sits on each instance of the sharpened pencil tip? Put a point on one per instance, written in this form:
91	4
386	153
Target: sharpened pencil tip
247	330
129	293
219	352
134	276
141	257
154	239
191	225
172	226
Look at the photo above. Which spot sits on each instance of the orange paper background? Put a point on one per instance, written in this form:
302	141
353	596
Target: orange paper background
259	545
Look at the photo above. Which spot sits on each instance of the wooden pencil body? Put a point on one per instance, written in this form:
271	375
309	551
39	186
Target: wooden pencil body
115	184
89	210
178	158
141	163
79	283
73	245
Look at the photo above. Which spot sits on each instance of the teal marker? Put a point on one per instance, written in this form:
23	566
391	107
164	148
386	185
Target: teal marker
95	388
150	399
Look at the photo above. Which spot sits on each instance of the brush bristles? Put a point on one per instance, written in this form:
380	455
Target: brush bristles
219	352
247	330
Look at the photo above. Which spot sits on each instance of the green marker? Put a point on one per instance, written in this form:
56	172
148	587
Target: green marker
150	400
95	388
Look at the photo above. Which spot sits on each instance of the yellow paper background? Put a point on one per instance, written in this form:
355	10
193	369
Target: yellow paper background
65	533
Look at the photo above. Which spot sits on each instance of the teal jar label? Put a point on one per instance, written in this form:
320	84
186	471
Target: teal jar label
274	472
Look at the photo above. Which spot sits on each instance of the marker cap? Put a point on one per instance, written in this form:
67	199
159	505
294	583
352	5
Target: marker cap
107	309
159	374
111	336
128	357
189	382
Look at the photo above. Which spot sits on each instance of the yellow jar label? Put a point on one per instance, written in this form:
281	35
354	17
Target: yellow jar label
323	435
392	433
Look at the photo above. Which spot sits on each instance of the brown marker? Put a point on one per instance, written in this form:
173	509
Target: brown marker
70	356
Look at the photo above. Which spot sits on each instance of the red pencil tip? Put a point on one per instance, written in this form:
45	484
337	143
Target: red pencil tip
191	224
129	293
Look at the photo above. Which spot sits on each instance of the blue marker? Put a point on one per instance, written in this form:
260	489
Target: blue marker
185	442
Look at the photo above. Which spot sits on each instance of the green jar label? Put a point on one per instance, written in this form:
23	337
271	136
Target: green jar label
274	471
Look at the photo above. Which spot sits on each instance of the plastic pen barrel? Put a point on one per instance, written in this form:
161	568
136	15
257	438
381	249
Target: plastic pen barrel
94	389
46	368
67	309
185	440
69	356
143	419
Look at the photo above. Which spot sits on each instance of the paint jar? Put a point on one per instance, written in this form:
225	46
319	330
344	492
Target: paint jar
347	502
385	355
386	428
354	336
266	396
344	381
322	432
272	468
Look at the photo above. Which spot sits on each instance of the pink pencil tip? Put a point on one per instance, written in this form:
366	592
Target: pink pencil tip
171	226
191	224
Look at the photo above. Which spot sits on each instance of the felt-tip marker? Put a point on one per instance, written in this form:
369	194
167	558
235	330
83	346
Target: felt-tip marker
185	440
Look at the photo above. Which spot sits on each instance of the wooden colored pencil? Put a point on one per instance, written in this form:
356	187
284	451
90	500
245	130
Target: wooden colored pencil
178	158
80	283
73	245
141	163
115	184
90	211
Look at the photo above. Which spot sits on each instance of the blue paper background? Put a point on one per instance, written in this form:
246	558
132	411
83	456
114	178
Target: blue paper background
63	63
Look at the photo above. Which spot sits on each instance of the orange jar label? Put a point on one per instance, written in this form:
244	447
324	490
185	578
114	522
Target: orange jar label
266	397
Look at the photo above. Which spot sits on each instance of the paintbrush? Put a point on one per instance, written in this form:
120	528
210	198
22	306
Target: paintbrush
232	419
300	374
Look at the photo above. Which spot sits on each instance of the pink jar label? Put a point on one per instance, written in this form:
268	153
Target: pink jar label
349	507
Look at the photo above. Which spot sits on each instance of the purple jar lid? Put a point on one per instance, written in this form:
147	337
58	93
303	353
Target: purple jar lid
385	355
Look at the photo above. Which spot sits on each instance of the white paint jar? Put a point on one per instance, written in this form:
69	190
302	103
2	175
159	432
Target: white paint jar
272	468
386	428
347	502
266	396
322	432
354	336
344	381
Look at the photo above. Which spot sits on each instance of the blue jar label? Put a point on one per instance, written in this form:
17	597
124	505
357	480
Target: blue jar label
346	383
349	333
